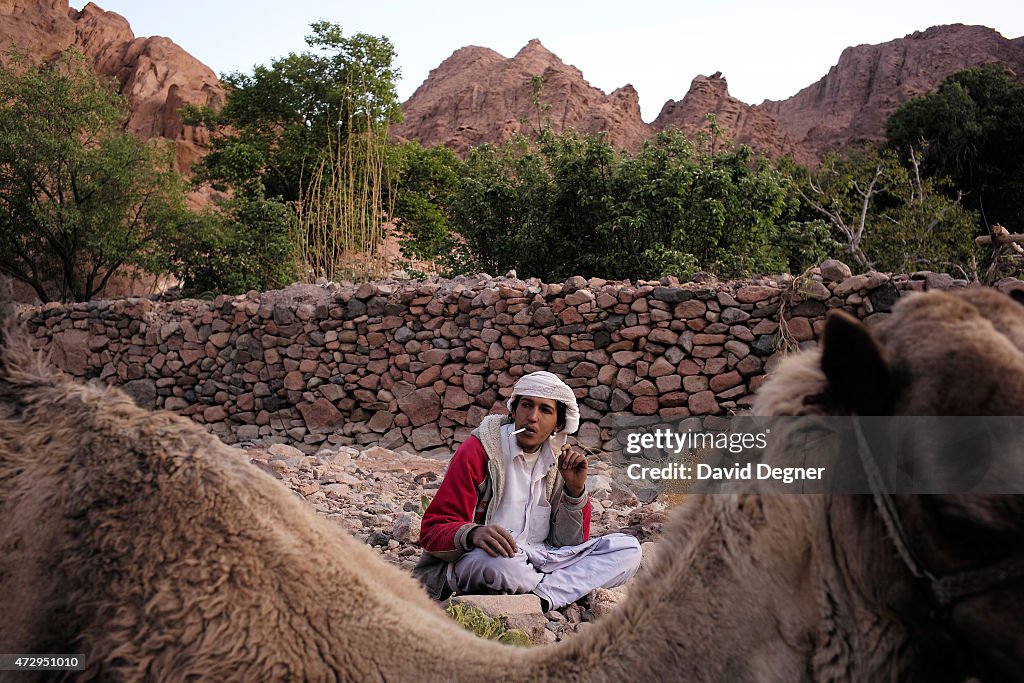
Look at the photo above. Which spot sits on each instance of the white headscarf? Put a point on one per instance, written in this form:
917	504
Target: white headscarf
546	385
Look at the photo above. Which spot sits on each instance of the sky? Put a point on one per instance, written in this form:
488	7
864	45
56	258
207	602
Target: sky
765	50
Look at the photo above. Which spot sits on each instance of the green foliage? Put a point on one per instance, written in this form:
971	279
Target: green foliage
277	122
573	204
476	620
499	208
887	216
971	130
715	202
426	180
310	130
806	243
920	228
541	107
249	243
79	197
424	503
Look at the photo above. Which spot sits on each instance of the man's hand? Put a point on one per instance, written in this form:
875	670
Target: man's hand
572	465
495	540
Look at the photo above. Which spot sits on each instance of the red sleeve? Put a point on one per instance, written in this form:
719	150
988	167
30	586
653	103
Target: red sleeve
456	499
571	520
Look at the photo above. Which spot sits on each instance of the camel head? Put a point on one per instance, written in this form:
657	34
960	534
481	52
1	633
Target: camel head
956	354
937	354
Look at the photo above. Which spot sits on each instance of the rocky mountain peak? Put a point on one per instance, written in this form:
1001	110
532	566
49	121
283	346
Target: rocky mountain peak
627	99
91	9
535	57
156	75
470	55
477	97
853	100
535	50
955	32
739	121
538	60
486	99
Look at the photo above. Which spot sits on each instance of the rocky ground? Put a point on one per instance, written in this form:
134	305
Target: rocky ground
379	495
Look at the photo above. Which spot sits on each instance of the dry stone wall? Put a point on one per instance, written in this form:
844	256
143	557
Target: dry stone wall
421	363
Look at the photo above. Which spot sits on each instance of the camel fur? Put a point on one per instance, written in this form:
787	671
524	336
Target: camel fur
138	539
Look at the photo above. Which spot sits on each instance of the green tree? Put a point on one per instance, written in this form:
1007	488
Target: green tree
541	107
971	130
572	204
806	243
718	202
79	197
310	130
344	209
500	208
278	122
426	181
578	200
843	191
888	216
248	242
920	228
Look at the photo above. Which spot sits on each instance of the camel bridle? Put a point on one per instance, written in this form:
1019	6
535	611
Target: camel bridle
945	590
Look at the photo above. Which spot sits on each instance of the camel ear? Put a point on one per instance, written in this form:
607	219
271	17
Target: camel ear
859	379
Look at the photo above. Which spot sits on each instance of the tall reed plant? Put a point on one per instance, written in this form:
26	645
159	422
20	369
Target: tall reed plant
345	205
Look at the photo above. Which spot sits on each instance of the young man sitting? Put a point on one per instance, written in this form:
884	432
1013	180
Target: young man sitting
512	514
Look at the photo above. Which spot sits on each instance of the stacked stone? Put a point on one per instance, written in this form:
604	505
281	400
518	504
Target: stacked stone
421	363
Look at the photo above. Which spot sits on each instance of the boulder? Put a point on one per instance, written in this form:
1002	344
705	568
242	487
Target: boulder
421	406
321	416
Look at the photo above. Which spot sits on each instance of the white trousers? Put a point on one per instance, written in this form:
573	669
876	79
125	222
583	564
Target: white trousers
558	575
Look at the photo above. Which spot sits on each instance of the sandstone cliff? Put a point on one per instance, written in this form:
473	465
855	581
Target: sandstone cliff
852	102
155	74
739	121
478	96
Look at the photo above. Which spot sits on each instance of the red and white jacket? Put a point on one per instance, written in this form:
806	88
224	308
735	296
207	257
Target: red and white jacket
470	492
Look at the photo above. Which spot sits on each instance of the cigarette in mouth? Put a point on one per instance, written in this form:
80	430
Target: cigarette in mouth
521	429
